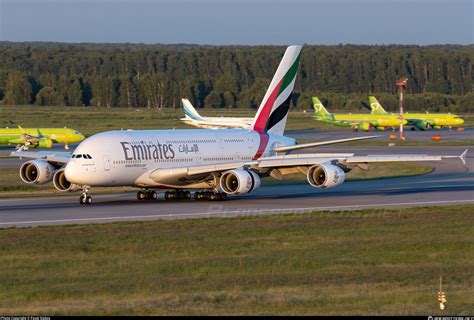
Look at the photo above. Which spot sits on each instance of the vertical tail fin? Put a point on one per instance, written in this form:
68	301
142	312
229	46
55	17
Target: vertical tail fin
375	106
273	111
190	111
319	109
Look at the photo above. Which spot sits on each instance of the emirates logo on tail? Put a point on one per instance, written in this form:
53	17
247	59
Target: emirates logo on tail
273	111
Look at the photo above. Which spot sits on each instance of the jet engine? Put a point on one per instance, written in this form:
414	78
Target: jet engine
423	125
239	181
36	171
365	126
61	183
44	143
325	176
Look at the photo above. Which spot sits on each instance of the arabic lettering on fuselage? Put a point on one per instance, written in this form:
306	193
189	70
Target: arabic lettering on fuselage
154	150
186	148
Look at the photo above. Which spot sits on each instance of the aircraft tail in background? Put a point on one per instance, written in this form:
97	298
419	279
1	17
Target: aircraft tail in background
375	106
190	111
319	109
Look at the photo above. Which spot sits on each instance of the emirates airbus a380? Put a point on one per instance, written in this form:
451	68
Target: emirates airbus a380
215	163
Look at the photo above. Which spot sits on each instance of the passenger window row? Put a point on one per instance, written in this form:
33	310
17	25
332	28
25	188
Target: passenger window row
233	140
192	141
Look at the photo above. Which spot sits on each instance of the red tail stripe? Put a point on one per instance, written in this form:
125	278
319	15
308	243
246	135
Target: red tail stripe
262	145
266	110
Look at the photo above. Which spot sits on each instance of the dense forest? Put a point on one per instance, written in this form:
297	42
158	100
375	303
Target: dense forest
441	78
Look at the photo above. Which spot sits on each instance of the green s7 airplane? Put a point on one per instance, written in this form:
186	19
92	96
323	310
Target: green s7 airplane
39	137
356	121
421	121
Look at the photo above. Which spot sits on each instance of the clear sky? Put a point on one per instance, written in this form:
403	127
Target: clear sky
239	22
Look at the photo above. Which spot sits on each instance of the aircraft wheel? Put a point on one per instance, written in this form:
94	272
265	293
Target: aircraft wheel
84	199
152	195
141	195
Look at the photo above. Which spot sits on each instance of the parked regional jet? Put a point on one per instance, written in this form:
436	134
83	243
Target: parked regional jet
356	121
39	137
420	121
220	162
193	118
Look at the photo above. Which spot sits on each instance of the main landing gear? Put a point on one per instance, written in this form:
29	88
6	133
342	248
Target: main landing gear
85	198
182	195
209	195
147	195
177	195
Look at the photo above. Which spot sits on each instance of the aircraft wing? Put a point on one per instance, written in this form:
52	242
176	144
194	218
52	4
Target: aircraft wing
418	122
50	156
354	123
296	160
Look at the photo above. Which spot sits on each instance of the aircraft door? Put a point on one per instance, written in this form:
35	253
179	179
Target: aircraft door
106	162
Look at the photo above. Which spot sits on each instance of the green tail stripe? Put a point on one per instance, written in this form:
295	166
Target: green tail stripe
290	75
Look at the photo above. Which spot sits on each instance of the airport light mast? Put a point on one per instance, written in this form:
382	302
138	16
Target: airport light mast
401	83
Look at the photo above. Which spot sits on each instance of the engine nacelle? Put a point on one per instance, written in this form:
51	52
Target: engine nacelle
45	143
423	125
36	171
239	181
365	126
62	184
325	176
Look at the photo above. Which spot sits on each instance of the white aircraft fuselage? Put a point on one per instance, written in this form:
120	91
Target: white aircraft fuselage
218	122
121	158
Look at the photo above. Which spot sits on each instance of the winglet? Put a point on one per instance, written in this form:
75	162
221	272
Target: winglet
463	157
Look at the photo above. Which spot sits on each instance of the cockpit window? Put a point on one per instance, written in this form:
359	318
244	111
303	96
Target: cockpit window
77	132
78	156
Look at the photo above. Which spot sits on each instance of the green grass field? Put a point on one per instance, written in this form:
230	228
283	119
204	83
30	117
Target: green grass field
370	262
90	120
12	186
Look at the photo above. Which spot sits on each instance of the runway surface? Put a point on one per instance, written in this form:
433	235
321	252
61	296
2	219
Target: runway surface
449	183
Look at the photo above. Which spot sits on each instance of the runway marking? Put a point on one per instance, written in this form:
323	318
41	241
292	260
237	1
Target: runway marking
263	210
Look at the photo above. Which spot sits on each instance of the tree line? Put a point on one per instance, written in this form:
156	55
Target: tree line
440	78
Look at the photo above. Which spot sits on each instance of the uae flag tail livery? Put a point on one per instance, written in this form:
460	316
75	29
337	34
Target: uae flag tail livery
273	111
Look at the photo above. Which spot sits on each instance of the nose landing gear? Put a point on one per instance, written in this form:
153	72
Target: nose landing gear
85	198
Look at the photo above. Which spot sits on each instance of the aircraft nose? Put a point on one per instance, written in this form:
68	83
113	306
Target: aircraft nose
460	121
73	172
